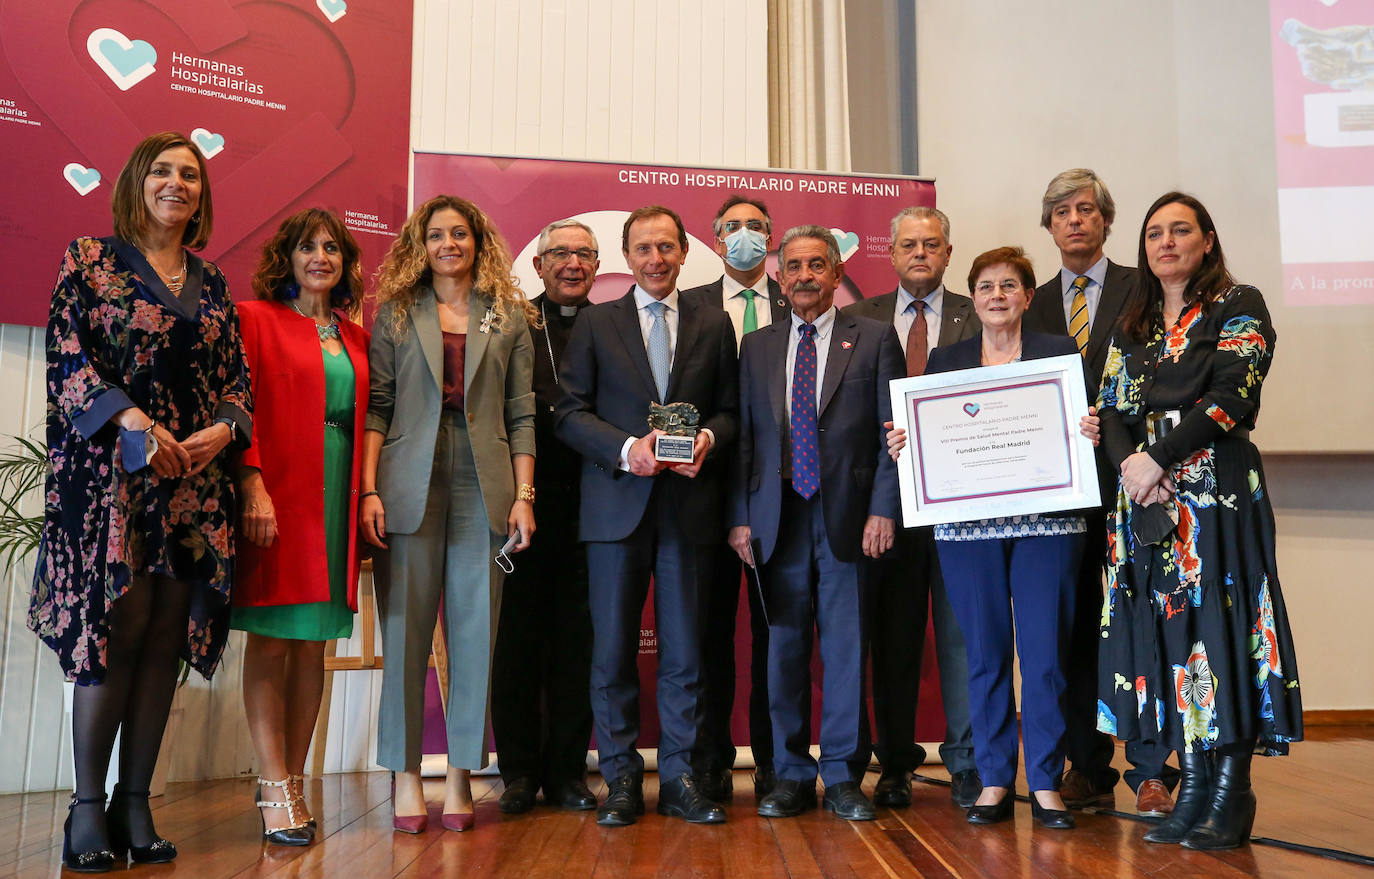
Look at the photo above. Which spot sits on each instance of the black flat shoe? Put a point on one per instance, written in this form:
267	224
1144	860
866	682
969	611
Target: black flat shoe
965	787
893	790
994	814
681	798
573	795
518	797
624	802
847	801
93	861
788	799
1050	819
159	851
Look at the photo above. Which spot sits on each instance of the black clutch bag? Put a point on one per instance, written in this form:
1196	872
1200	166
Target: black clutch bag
1154	523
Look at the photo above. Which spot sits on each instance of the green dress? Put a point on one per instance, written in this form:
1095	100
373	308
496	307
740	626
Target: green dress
322	620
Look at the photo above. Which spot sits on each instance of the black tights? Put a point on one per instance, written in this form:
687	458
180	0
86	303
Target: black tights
148	625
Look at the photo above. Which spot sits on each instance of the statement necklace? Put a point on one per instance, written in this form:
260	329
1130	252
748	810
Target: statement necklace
327	331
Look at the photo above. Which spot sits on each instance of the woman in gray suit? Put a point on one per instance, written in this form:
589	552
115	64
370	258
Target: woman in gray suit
447	473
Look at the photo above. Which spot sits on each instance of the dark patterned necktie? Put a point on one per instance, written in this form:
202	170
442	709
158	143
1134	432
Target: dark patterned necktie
806	474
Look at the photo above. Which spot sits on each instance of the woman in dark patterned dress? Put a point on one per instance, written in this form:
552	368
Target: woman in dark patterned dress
147	390
1196	652
297	583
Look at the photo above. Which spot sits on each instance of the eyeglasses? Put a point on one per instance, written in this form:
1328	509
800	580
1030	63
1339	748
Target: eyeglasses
986	287
730	227
929	246
558	255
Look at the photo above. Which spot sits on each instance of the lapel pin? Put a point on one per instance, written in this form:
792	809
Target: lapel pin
846	344
485	326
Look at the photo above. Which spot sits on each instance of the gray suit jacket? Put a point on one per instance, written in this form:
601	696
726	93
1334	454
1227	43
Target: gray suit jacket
407	366
957	319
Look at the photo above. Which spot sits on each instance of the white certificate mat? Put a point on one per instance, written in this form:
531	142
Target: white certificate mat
994	441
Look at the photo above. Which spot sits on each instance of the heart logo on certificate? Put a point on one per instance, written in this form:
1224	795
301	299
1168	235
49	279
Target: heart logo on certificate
971	409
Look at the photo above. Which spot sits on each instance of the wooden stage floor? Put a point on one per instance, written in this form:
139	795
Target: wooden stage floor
1323	795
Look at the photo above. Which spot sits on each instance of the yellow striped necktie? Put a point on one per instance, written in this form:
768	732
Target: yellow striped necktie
1078	321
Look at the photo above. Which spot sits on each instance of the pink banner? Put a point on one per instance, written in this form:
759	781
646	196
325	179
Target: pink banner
524	195
295	104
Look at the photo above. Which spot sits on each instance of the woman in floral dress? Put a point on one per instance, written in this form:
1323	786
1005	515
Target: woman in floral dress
147	390
1196	652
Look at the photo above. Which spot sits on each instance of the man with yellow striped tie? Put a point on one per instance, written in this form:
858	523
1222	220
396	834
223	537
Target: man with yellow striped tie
1084	300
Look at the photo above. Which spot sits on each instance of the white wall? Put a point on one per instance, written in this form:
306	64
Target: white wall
1155	96
582	79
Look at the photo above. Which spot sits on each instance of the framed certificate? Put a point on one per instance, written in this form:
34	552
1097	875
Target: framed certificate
994	441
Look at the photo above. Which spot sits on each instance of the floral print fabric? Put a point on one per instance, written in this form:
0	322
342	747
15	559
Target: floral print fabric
1196	648
117	337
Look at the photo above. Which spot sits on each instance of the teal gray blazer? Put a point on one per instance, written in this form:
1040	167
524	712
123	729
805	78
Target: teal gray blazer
407	375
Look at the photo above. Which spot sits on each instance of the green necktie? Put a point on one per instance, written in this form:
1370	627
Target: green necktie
751	317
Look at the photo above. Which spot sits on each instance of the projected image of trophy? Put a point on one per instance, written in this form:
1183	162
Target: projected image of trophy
679	422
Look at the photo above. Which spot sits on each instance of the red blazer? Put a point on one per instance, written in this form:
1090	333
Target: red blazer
288	447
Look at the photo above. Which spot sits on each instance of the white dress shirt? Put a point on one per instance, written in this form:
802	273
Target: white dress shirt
732	299
646	323
933	304
1097	276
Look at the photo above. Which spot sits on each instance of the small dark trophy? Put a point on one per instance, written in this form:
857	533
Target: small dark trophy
678	421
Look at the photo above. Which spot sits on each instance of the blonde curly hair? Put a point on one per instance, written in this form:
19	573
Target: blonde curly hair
405	271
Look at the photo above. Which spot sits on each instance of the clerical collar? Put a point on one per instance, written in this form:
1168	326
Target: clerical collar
567	310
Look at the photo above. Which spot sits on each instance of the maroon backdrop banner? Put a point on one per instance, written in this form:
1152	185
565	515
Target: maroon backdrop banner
524	195
294	103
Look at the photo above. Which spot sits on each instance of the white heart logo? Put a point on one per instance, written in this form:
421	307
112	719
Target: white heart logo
82	179
209	143
126	62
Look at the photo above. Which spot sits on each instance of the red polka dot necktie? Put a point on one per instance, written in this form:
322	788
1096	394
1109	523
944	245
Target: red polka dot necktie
806	474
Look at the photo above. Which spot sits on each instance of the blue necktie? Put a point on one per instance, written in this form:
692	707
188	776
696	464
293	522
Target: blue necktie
806	474
659	359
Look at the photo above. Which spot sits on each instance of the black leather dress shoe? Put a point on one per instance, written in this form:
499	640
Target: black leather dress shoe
573	795
624	801
847	801
994	814
716	784
518	796
788	799
893	790
1052	819
965	787
765	779
681	798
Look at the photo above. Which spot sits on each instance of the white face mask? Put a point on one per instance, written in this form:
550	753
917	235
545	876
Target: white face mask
745	248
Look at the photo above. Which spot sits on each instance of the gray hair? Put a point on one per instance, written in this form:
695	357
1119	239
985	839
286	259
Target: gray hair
1067	183
920	212
564	224
717	226
820	233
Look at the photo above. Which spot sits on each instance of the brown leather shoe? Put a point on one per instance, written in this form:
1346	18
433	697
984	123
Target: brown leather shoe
1079	792
1152	799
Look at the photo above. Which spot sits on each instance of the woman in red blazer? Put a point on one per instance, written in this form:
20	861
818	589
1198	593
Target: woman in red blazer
296	583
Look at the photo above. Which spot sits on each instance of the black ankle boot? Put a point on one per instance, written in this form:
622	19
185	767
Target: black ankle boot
159	851
1194	790
90	861
1231	812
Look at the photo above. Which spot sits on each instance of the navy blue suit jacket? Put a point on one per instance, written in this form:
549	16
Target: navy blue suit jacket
607	387
858	479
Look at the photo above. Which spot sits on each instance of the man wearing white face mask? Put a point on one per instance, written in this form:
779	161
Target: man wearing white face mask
743	236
